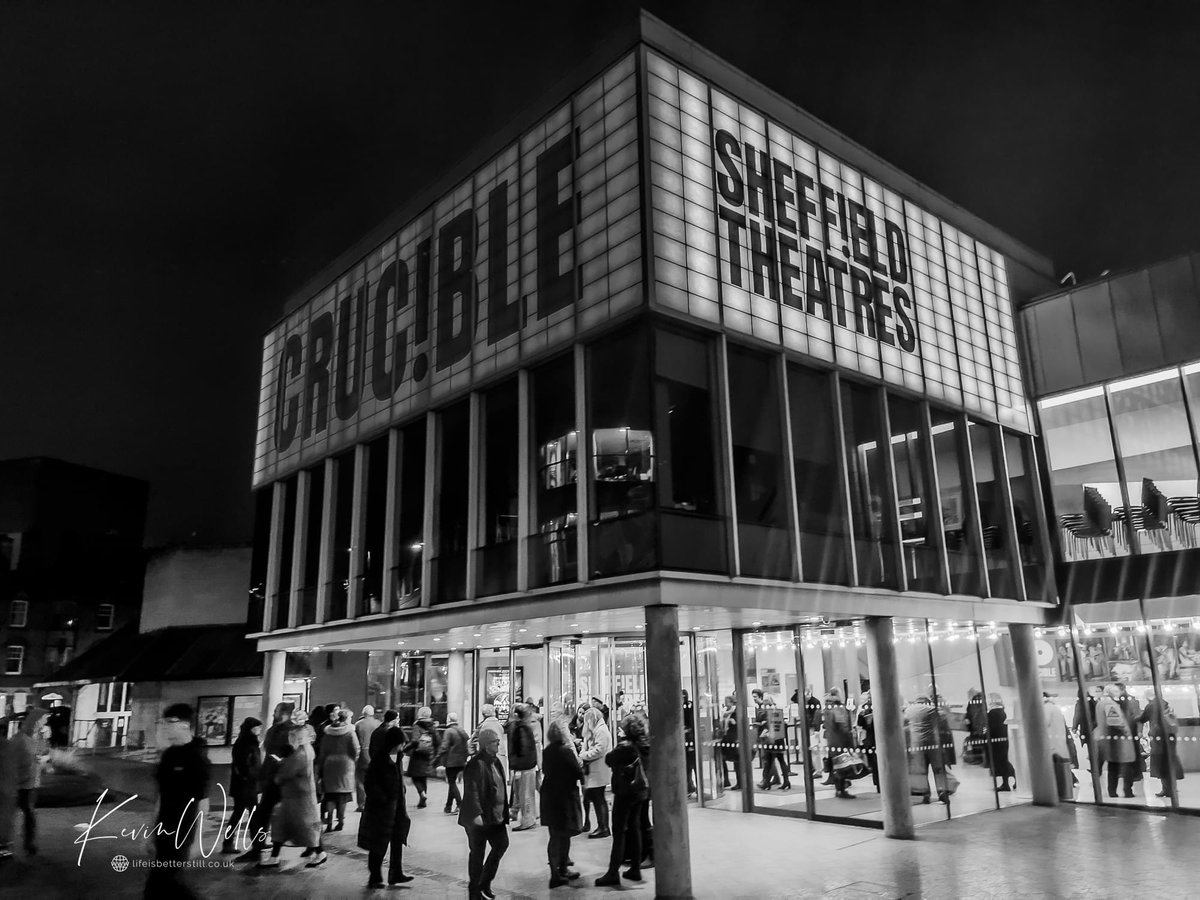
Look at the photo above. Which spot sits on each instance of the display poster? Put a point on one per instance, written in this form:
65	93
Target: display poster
212	719
497	684
245	706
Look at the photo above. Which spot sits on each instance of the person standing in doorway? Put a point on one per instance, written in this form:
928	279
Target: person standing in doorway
839	738
484	814
363	729
866	728
730	742
183	778
522	761
597	742
453	755
245	766
1113	739
689	742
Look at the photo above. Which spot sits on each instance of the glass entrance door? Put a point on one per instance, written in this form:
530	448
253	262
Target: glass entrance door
771	747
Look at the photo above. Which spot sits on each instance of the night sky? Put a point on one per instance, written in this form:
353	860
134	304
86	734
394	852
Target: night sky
169	173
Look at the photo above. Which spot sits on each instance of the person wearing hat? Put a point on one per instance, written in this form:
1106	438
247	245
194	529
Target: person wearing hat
385	824
245	764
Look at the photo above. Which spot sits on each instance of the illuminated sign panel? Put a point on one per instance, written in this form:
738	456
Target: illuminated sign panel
769	235
538	245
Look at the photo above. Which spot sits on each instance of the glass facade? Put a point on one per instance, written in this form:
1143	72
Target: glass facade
880	490
1123	462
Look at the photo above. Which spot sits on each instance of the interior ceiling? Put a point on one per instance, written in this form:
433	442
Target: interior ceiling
629	621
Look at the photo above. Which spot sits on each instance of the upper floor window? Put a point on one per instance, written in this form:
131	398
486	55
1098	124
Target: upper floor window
18	614
15	660
104	617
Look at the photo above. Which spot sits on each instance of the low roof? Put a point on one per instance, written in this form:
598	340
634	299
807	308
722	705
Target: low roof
171	654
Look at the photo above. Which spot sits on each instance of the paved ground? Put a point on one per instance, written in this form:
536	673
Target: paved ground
1070	852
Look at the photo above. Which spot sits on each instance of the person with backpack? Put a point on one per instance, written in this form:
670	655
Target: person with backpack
422	750
631	789
522	763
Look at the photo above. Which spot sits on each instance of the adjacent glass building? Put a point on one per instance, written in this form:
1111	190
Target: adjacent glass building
1116	364
673	362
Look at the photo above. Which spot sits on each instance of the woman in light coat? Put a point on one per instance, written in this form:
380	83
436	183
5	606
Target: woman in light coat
1113	739
296	819
336	762
597	741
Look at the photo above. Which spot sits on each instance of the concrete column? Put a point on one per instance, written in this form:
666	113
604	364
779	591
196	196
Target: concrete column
891	755
1033	716
273	675
668	775
456	687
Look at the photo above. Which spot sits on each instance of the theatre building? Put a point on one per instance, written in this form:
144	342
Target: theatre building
671	387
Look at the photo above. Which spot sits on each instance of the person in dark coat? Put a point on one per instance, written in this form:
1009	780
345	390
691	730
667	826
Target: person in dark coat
975	746
1163	730
385	823
422	750
631	790
390	720
561	808
484	813
453	755
275	748
998	741
182	777
730	742
839	738
297	818
244	769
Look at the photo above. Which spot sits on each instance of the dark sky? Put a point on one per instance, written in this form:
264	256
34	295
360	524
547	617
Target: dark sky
169	173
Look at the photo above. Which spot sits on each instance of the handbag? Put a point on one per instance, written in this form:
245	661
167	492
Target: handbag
848	764
950	780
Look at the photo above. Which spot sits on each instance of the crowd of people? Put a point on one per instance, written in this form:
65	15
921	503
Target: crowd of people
292	785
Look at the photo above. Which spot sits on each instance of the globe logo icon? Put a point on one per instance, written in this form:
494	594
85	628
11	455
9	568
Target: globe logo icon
120	863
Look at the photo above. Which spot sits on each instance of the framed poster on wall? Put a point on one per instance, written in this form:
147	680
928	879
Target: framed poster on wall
496	689
245	706
212	719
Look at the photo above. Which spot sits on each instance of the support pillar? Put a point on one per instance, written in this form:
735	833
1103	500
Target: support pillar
668	773
456	684
274	668
1033	716
891	753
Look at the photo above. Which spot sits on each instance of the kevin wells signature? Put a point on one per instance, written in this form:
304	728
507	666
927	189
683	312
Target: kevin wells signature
188	829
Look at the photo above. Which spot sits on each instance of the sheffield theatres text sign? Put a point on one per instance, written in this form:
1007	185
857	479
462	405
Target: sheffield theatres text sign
753	229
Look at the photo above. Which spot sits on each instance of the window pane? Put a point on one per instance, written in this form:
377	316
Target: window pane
622	454
1017	452
1083	476
411	539
874	542
343	506
312	546
991	509
259	558
552	548
758	465
914	500
284	593
692	529
1160	465
371	599
453	495
822	517
497	559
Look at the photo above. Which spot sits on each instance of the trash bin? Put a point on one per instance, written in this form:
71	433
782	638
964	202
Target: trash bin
1065	778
